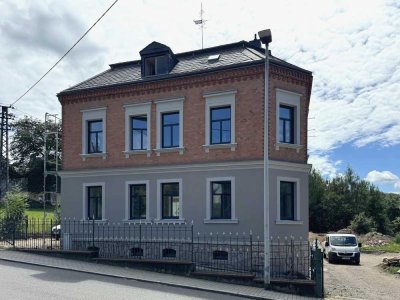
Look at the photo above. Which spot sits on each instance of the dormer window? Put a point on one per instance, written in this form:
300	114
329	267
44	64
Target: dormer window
156	65
157	59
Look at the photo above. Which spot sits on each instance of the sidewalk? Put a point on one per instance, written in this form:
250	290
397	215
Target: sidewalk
145	276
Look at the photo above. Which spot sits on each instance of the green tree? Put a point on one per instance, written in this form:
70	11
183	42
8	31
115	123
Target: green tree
336	203
26	150
362	224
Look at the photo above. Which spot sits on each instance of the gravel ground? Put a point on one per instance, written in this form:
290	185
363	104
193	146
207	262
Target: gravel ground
366	281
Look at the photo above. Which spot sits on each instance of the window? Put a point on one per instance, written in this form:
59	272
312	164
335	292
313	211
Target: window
220	255
220	125
288	108
170	200
169	252
286	124
138	201
94	133
137	251
139	133
137	194
170	130
94	202
287	203
156	65
169	126
137	129
95	136
221	200
220	120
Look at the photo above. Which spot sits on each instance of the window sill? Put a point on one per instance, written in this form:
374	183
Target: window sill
169	221
137	221
290	146
221	221
220	146
86	155
288	222
136	152
176	149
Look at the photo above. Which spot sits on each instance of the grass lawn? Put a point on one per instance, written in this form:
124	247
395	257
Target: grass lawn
392	248
36	213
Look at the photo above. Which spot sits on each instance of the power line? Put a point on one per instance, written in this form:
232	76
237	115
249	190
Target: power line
66	53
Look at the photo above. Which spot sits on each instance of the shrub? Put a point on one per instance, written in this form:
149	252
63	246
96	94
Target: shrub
362	224
396	225
15	205
397	238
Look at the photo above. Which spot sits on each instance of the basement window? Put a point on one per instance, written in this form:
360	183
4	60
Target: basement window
220	255
169	252
137	251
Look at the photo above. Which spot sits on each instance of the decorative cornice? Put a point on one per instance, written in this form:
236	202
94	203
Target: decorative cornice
187	82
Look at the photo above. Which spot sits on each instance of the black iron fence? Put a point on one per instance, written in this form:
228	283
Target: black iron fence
210	252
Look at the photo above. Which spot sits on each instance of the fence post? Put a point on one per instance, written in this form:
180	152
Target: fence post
192	242
140	235
14	233
51	234
318	267
251	251
93	232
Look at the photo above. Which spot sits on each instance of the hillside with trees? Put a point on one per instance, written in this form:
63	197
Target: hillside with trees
348	201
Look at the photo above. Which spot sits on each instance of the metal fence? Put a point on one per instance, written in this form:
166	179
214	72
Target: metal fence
211	252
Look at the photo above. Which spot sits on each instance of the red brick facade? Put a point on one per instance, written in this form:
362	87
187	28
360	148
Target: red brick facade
249	83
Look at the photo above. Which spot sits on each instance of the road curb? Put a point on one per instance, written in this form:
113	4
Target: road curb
138	279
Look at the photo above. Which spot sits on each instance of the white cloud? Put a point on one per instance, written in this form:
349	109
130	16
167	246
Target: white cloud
325	165
381	177
384	177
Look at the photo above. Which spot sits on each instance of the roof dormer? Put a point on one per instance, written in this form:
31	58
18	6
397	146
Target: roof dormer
157	59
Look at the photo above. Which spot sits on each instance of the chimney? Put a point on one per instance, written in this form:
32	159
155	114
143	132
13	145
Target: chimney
255	42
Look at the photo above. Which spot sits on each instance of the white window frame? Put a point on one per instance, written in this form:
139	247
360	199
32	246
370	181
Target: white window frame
297	220
233	219
291	99
127	201
132	110
166	106
85	200
159	201
93	114
214	100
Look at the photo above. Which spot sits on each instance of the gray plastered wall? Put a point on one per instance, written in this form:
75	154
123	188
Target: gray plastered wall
248	194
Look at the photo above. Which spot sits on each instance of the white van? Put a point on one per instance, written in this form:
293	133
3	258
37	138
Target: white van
338	246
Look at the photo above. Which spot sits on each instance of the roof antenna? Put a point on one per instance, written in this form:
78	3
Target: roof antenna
201	23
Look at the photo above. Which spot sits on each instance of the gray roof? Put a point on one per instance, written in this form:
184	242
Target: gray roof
188	63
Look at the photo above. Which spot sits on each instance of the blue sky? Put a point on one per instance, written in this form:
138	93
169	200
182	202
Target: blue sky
351	48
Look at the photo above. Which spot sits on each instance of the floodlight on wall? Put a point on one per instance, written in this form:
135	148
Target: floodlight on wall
265	36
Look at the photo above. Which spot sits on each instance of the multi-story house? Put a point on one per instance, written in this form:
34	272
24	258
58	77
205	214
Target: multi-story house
179	138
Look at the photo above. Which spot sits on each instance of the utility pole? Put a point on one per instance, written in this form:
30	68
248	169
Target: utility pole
4	151
201	23
266	38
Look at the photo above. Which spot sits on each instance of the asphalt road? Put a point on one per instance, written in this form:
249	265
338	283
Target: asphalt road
21	281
